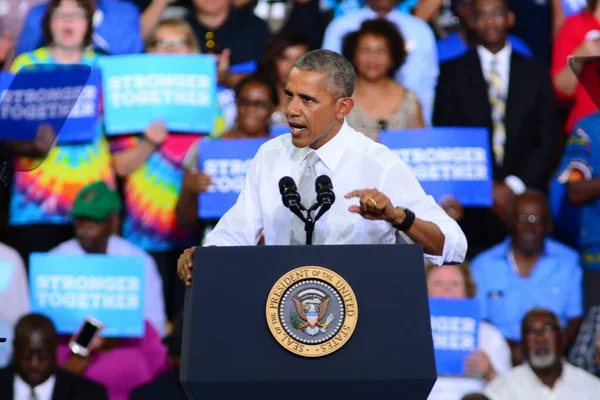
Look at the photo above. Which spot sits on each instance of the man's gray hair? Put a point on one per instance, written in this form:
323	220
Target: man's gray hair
340	77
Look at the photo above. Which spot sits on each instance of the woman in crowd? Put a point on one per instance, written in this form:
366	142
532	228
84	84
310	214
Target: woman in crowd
492	358
120	364
377	51
278	60
579	36
150	165
256	101
42	197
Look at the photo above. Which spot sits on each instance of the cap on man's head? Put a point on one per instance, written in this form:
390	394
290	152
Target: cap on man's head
96	201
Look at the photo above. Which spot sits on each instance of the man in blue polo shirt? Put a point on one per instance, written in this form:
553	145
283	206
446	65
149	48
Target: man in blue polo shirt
529	270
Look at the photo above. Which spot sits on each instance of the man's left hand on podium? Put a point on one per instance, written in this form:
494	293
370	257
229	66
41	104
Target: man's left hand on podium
375	205
185	264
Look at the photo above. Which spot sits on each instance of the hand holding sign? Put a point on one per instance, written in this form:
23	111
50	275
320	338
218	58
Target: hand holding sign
196	182
223	66
156	133
478	364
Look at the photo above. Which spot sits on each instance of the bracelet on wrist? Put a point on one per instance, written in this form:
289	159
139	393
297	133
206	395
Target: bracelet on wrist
408	221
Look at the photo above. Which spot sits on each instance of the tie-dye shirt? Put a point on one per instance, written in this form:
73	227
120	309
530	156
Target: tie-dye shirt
45	194
151	194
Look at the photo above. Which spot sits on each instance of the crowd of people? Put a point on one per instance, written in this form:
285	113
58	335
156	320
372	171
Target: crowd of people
533	256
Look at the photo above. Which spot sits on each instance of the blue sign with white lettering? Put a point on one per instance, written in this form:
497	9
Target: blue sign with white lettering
447	161
49	94
455	329
69	288
180	89
226	161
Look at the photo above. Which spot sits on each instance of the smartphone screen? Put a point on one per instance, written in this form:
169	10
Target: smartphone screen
86	334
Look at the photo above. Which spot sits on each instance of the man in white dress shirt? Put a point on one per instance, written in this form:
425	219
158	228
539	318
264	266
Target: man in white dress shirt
546	375
93	212
319	96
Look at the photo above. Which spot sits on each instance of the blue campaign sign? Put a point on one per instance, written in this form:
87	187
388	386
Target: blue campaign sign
455	328
84	119
69	288
447	161
227	162
41	94
180	89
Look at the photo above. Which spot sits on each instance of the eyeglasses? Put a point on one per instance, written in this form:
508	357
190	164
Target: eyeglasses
76	15
167	43
530	219
242	102
546	330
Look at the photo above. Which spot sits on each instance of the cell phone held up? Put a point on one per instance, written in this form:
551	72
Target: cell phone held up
82	340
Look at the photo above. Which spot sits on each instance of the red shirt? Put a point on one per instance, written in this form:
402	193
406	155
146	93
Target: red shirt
571	35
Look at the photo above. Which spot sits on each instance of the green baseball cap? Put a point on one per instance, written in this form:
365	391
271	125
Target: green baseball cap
96	201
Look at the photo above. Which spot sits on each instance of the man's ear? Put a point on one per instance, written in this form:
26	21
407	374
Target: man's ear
511	19
344	107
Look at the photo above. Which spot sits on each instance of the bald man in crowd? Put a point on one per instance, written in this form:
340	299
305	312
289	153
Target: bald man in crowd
34	374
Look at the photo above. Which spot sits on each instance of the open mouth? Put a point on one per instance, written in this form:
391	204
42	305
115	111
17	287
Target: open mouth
296	129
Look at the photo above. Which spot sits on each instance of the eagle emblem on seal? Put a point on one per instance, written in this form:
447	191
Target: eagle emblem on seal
311	310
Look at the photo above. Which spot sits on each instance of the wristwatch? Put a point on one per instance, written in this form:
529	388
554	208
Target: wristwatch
409	219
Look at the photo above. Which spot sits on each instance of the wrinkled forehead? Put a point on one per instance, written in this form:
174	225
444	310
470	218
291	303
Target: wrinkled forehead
308	83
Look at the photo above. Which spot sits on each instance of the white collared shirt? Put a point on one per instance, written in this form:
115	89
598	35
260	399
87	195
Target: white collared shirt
154	305
502	59
521	383
352	161
22	391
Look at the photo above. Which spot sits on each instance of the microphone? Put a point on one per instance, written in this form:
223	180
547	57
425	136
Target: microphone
324	188
290	196
325	195
289	192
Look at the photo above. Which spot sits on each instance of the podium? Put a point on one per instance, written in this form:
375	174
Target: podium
230	349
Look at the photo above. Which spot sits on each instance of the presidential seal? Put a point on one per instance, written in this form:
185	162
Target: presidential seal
312	311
